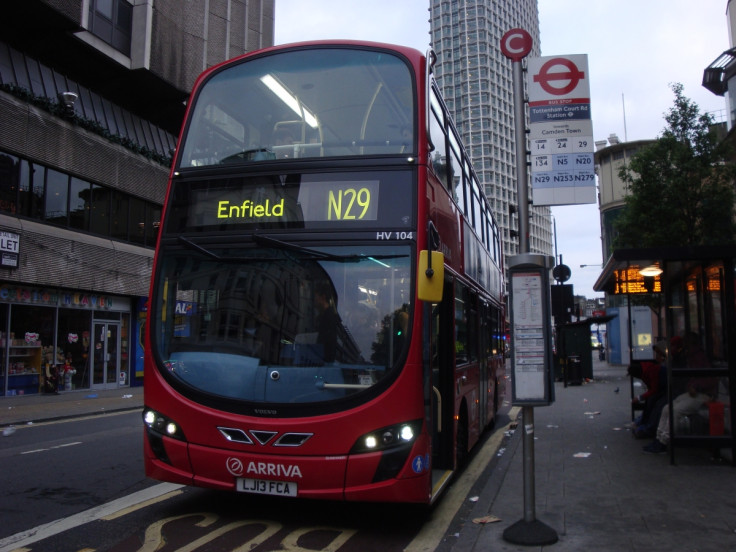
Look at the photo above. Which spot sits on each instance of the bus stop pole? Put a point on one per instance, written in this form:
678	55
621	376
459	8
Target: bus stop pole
522	195
528	531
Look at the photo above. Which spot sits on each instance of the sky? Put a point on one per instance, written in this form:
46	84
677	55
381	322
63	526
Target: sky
636	49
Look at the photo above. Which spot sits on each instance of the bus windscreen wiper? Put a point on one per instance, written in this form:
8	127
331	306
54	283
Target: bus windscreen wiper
212	255
280	244
268	240
204	251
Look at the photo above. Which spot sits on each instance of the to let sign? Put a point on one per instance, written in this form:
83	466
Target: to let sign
9	249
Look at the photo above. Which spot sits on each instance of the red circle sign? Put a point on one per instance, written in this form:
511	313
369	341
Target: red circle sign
516	44
570	76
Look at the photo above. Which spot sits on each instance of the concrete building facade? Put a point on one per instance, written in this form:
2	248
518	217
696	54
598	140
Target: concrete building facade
609	160
92	94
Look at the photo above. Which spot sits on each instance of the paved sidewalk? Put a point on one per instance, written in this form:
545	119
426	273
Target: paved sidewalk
20	410
596	487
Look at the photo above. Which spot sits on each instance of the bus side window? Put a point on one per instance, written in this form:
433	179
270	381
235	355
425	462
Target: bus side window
437	135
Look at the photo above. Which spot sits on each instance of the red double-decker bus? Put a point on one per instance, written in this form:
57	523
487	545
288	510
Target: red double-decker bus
326	308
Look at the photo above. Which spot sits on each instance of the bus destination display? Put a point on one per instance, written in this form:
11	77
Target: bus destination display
317	201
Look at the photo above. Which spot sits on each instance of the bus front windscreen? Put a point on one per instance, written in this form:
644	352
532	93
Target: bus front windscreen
282	323
302	103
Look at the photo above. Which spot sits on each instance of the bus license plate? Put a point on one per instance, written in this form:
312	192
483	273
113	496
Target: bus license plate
263	486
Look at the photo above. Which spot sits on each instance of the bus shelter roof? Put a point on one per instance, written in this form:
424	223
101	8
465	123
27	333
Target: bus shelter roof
639	258
590	321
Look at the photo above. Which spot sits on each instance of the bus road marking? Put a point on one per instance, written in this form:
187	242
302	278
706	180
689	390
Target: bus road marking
34	451
26	538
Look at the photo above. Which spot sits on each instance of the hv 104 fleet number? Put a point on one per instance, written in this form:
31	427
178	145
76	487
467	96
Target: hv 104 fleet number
394	235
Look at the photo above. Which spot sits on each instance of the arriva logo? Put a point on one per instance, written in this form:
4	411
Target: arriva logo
268	469
234	466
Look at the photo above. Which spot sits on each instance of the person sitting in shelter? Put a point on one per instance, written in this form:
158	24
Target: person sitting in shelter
654	375
699	392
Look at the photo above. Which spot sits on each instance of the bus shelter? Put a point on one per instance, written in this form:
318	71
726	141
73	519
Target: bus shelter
574	347
691	290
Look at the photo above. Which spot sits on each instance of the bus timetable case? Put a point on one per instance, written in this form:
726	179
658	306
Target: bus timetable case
531	330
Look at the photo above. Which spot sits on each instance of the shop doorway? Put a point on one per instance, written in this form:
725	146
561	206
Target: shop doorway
106	355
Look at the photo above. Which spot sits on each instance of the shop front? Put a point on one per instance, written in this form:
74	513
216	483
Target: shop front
55	340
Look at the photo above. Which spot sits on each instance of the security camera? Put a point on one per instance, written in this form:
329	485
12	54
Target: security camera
68	99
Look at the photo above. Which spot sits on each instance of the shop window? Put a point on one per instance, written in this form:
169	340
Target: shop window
32	358
107	315
72	339
125	350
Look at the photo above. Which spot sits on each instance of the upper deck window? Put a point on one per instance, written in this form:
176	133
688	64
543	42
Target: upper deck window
303	103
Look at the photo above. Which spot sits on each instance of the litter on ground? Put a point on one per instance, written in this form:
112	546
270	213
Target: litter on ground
487	519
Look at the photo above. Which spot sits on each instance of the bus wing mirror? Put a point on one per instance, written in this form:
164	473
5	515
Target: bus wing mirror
430	276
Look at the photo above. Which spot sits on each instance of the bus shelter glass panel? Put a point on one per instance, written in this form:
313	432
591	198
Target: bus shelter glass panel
700	399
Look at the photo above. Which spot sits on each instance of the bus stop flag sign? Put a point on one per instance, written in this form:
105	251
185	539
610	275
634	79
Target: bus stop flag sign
561	130
516	44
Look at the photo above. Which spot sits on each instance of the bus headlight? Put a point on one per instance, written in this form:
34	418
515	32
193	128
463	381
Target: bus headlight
162	424
387	437
394	443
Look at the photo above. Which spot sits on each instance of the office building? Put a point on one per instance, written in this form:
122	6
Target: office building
476	82
92	94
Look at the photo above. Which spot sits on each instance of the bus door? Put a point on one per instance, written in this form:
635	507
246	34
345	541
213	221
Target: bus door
105	355
443	373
